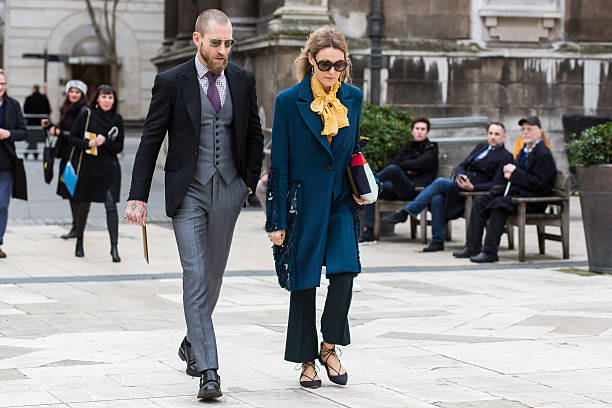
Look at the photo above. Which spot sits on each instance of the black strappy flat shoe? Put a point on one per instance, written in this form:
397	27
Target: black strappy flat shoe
311	382
340	379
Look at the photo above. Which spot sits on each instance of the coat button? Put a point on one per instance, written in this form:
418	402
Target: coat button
330	166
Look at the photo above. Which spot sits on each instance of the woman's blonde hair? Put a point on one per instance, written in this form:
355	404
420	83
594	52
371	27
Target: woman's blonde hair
324	37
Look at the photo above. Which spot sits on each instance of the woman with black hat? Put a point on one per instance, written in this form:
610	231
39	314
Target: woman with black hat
97	138
75	102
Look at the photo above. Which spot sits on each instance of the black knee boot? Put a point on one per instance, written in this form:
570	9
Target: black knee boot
81	220
112	223
73	210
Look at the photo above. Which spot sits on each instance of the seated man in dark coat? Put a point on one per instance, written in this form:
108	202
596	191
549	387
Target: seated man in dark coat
532	175
415	165
475	173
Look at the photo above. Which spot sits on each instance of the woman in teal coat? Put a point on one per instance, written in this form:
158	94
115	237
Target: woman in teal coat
312	216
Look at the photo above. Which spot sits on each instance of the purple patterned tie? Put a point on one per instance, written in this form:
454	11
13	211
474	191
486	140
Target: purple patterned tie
213	93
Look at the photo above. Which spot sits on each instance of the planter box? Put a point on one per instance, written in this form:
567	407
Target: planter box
595	186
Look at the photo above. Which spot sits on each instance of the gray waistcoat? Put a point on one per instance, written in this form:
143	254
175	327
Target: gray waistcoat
216	141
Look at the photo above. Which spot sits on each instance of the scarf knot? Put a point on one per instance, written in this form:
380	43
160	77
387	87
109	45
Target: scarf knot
328	106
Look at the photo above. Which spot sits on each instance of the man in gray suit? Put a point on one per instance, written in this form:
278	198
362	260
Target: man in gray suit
215	149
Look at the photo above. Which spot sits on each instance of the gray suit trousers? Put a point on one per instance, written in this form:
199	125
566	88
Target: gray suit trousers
203	227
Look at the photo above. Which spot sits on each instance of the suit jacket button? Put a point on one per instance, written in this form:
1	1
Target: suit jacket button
330	166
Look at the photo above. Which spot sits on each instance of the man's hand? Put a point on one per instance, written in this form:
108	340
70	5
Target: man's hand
277	237
508	169
360	200
136	212
464	183
4	134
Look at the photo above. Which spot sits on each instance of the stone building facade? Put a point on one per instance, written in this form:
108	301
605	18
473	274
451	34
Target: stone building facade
443	58
64	27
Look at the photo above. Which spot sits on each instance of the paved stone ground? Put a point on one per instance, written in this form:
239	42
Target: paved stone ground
428	330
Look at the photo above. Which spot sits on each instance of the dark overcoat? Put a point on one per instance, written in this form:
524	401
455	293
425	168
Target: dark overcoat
63	146
421	158
534	178
308	194
102	172
12	120
481	174
175	109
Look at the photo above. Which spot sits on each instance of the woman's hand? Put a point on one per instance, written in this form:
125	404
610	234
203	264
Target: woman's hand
360	200
277	237
92	143
100	140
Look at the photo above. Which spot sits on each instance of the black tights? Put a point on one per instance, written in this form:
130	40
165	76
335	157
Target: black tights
112	219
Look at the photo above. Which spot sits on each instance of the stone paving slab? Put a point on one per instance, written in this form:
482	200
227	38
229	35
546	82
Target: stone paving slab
428	330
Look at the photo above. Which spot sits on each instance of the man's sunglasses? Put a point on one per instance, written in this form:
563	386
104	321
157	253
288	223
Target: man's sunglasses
326	65
214	43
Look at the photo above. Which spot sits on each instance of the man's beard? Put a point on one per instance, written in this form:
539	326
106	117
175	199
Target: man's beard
213	66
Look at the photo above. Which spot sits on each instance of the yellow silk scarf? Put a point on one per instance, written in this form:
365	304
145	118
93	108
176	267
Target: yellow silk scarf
329	108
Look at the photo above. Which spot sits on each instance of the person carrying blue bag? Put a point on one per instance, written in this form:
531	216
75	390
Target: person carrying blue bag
97	137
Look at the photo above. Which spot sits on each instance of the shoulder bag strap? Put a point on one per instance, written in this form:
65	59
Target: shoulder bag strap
84	133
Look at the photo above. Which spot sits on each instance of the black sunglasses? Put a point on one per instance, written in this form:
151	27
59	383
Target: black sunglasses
214	43
326	65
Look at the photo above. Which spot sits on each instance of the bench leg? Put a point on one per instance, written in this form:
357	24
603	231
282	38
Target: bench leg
541	239
565	229
510	235
522	214
423	221
413	223
466	211
449	231
377	220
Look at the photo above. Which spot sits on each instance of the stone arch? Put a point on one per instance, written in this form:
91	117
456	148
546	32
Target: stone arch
76	26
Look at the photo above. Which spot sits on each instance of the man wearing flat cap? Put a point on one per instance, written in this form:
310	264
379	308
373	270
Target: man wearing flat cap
531	175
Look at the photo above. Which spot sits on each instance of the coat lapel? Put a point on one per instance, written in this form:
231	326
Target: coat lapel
189	87
237	89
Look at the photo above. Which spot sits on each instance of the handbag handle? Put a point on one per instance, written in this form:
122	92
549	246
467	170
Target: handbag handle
84	133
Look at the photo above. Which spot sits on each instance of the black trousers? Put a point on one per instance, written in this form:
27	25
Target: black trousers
478	219
302	343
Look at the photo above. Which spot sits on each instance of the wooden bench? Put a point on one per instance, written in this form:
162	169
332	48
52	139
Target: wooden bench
556	215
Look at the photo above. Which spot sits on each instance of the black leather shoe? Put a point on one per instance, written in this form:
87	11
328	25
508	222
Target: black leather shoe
115	254
484	257
2	253
367	236
466	252
396	217
78	250
70	234
210	385
434	246
186	355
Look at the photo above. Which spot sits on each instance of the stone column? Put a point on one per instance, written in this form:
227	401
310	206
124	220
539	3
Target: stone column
170	22
299	16
187	14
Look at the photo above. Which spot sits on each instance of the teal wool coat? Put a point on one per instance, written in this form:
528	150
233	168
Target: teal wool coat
308	193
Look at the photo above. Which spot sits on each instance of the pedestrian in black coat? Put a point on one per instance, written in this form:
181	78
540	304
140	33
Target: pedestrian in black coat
12	175
532	175
480	173
416	165
100	174
37	103
75	102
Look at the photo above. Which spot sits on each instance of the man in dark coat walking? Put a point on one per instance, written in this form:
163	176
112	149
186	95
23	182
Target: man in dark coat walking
475	173
37	103
416	165
532	175
215	150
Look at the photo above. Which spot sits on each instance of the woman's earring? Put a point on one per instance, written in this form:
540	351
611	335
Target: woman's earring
312	69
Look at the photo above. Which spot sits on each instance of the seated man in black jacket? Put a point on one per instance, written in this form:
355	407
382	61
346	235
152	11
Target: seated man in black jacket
532	175
475	173
415	165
